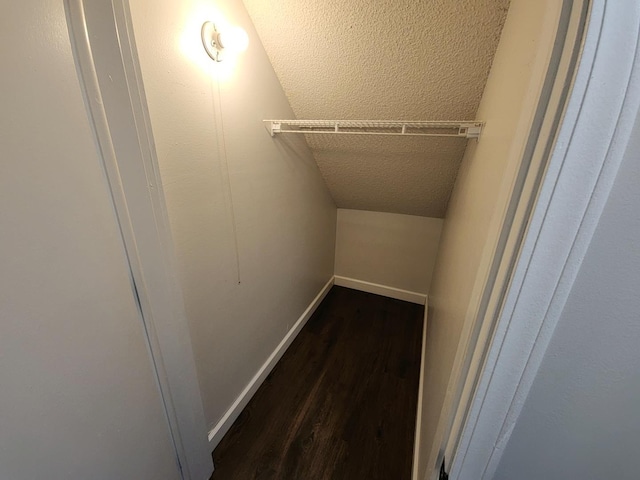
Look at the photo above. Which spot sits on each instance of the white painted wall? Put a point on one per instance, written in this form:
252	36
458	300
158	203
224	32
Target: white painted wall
389	249
269	190
78	394
580	419
477	206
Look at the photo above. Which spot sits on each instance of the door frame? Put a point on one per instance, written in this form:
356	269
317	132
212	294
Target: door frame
584	151
104	49
499	258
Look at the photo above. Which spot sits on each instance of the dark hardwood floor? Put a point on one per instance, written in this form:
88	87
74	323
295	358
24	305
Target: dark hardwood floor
340	404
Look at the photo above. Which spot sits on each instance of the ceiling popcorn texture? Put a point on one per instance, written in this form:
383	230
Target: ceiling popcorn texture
383	60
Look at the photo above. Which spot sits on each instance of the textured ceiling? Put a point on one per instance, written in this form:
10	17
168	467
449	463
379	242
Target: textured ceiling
383	60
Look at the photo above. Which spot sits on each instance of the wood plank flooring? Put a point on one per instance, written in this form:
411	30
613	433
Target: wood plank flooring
340	404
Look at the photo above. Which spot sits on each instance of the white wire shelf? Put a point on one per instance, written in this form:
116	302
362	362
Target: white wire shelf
466	129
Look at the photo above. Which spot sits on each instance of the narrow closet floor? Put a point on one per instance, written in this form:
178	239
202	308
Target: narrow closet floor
340	404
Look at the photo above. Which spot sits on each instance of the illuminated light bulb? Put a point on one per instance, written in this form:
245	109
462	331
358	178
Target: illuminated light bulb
234	39
231	40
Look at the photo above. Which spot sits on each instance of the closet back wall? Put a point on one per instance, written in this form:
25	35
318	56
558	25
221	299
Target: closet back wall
269	191
394	252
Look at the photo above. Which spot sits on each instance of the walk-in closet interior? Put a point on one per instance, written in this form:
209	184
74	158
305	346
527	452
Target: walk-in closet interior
264	222
335	175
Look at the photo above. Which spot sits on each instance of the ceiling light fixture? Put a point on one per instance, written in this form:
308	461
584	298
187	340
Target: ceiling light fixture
219	43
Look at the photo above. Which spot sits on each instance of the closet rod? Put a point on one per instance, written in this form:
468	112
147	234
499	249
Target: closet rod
466	129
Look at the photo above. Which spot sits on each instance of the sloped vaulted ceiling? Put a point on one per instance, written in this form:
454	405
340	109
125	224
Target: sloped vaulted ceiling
383	60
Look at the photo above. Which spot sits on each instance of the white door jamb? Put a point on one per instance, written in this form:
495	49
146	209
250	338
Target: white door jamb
588	150
106	59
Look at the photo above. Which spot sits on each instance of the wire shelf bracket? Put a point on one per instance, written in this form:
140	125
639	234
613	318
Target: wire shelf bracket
466	129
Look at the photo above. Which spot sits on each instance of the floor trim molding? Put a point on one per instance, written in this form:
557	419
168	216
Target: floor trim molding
384	290
230	416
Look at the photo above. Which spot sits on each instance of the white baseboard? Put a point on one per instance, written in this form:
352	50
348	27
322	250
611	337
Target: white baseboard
406	295
415	474
230	416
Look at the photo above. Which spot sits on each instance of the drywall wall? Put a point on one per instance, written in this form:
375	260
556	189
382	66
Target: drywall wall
383	59
252	220
580	419
388	249
478	202
79	394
